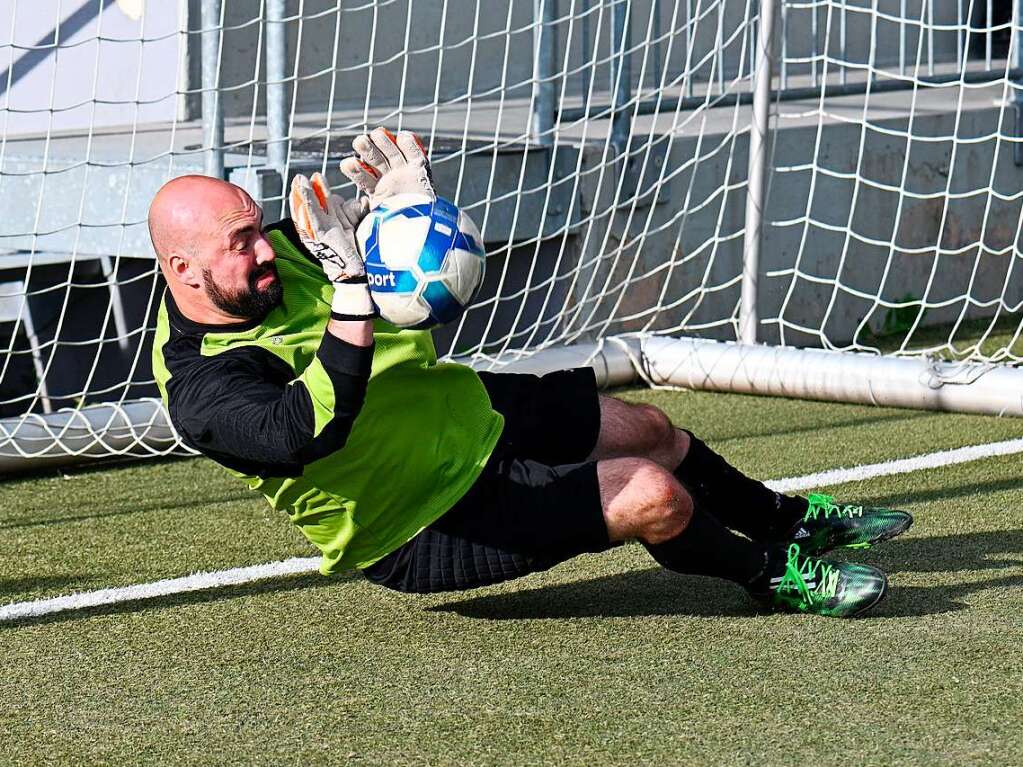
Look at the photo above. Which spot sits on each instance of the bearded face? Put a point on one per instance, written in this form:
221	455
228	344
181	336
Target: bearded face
262	293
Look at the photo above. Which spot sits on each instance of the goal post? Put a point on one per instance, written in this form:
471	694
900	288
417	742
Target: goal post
813	198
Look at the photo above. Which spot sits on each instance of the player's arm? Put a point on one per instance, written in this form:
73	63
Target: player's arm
334	384
240	409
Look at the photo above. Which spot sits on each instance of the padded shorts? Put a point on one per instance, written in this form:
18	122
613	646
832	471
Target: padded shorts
536	503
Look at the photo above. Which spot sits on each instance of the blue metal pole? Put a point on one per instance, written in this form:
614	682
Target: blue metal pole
545	52
276	92
212	108
621	76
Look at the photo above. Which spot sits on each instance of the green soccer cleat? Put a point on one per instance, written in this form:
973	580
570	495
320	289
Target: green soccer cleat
828	525
822	587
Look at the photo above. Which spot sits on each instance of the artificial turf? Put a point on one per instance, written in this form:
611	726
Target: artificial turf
602	660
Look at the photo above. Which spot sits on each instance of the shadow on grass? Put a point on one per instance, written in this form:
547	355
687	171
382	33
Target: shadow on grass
642	593
167	505
30	583
637	593
656	592
992	550
895	500
275	586
969	552
831	424
917	601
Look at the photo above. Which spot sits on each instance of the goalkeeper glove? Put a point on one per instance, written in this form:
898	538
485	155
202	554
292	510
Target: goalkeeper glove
326	225
388	164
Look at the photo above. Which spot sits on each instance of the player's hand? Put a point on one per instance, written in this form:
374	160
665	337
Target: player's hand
387	164
326	224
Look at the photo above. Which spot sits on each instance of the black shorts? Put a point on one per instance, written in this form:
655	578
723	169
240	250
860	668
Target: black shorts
537	502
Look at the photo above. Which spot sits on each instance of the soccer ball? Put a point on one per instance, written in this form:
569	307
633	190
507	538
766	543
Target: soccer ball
424	260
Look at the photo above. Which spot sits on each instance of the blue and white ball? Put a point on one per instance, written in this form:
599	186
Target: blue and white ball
424	260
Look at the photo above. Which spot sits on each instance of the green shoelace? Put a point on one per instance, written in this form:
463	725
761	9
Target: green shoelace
824	505
798	573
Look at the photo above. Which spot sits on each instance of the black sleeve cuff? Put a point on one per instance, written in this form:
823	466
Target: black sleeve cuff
339	355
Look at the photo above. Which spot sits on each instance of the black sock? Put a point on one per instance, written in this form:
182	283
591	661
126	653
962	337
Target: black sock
739	502
706	547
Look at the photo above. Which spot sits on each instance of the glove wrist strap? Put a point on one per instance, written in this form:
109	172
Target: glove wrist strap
352	301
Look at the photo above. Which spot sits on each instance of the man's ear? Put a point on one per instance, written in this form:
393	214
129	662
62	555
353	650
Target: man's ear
185	269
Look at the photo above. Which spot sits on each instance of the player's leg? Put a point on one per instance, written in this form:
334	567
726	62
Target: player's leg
638	430
521	517
640	499
552	419
561	419
740	502
643	501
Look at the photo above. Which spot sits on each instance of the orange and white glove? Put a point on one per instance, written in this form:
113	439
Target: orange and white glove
387	164
326	224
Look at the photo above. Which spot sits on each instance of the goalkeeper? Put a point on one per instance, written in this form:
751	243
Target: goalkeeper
429	476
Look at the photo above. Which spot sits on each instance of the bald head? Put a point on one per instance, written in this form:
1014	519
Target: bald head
217	261
190	208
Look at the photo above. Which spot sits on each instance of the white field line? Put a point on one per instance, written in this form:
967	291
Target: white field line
195	582
900	466
241	575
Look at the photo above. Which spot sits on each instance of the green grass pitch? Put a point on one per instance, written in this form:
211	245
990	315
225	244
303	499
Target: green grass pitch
603	660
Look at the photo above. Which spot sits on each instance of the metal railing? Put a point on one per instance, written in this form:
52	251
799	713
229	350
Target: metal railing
827	64
833	80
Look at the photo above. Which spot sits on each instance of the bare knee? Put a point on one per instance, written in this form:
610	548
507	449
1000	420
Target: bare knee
638	430
669	511
656	425
667	444
642	500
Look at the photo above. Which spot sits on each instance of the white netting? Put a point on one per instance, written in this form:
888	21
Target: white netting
901	217
601	145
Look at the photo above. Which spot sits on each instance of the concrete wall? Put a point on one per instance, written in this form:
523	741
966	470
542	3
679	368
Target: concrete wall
101	74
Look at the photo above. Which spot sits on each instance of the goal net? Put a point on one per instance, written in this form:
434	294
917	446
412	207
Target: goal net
807	197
